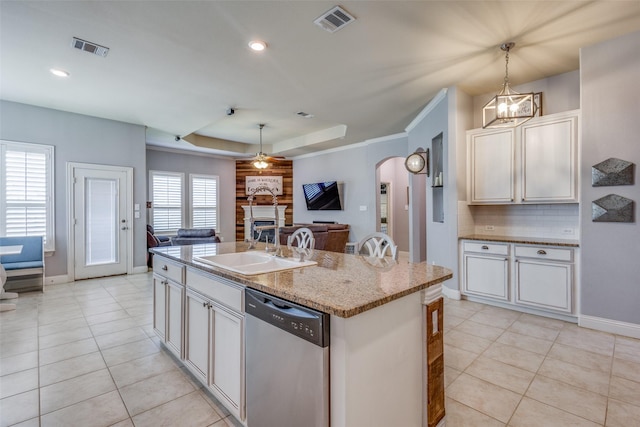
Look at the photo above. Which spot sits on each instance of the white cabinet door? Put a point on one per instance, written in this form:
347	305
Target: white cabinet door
159	305
175	297
544	285
549	149
491	166
198	336
227	348
486	276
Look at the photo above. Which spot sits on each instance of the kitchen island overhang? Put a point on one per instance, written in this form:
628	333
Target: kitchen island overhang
381	371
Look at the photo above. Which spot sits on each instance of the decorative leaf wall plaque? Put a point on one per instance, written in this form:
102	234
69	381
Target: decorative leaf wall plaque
612	208
612	172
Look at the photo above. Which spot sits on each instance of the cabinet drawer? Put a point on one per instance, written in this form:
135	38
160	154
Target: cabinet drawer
544	252
223	291
169	269
486	248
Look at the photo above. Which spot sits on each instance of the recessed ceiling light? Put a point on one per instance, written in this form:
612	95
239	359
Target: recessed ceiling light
257	45
58	72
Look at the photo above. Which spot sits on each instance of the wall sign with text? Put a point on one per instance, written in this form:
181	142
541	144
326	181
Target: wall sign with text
273	182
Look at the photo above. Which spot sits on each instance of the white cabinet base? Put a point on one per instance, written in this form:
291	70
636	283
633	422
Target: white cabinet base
544	285
531	278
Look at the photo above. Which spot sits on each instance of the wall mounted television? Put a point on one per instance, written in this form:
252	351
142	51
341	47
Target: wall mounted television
323	196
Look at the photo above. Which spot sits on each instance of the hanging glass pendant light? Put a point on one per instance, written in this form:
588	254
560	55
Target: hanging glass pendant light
508	108
260	162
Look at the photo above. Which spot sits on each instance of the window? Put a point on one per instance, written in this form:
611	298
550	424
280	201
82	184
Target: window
204	201
169	199
166	193
26	191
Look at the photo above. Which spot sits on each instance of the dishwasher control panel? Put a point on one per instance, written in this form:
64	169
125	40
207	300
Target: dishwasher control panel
306	323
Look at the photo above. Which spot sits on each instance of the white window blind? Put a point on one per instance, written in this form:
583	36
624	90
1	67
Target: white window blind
204	201
166	193
26	187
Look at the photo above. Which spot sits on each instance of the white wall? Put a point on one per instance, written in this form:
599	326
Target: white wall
355	167
610	128
79	138
225	169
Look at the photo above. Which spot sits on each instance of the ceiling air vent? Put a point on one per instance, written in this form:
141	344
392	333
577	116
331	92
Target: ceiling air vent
90	47
334	20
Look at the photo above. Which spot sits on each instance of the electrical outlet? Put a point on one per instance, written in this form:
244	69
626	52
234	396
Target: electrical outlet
489	227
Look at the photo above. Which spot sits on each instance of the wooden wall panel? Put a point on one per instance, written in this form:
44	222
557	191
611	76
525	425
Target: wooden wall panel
244	168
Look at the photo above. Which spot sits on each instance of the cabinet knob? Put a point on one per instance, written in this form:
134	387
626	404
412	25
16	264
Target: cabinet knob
485	247
204	304
165	268
541	252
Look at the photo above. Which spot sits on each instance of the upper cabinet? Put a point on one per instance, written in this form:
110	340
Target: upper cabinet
549	148
533	163
491	172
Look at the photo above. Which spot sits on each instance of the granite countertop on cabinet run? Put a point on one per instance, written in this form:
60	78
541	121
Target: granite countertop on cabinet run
343	285
523	240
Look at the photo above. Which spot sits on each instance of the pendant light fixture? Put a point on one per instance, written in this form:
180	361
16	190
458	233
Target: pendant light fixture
260	161
508	108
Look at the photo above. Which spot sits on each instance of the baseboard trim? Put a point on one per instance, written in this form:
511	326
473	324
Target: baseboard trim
56	280
607	325
451	293
140	269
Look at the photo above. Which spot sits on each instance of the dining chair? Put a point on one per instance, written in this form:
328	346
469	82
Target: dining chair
378	245
302	238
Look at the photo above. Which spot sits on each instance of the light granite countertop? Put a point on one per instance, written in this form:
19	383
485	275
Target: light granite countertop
522	240
340	284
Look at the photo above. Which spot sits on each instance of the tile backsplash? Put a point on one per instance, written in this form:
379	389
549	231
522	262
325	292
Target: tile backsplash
559	221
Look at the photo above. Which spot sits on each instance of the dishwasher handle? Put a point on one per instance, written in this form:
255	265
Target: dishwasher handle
290	311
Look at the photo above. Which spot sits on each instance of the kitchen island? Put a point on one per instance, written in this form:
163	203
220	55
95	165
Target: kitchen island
386	364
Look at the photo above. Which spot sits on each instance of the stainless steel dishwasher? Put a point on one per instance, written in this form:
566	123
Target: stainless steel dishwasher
287	363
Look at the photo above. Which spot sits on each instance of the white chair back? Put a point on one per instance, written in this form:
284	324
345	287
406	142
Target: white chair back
377	245
303	239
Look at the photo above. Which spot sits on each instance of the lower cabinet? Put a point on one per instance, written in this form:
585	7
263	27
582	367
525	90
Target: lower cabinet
544	278
197	335
159	305
168	298
200	318
536	277
175	303
214	349
486	269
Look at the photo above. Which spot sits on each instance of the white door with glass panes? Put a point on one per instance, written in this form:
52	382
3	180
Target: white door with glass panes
102	232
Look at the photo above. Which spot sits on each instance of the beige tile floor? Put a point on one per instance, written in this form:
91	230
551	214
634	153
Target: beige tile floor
84	354
505	368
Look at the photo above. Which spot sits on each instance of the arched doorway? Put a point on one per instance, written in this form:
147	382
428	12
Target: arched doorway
392	201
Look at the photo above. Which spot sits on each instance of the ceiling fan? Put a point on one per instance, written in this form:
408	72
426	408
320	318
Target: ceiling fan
261	160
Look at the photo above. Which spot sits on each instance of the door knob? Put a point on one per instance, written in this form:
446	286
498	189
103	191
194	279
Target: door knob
124	228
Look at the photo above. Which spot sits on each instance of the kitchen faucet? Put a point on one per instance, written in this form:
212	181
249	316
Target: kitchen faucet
277	250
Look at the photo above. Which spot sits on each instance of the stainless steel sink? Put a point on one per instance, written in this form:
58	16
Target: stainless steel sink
251	263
